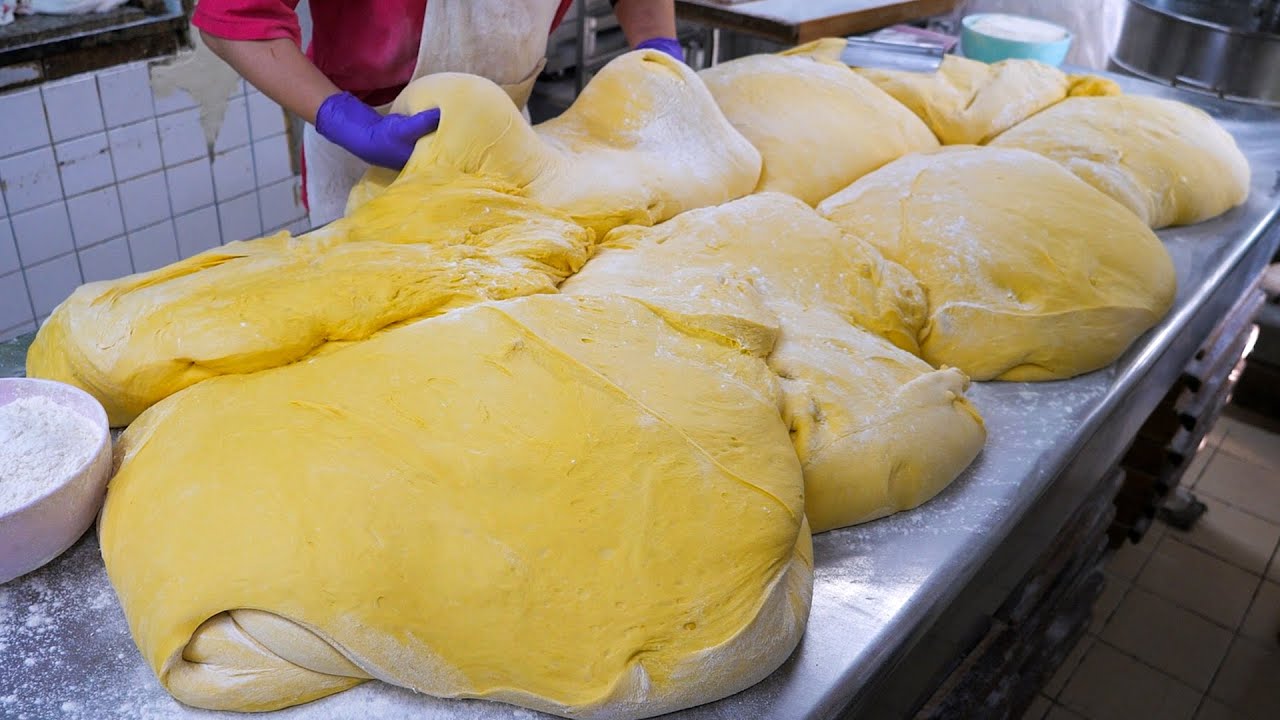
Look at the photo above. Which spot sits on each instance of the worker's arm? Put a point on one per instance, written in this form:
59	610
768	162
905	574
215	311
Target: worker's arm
650	24
280	70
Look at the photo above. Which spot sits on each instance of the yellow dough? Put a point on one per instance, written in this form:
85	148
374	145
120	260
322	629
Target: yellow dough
876	429
643	142
970	102
818	125
471	218
565	503
1167	161
418	250
1031	274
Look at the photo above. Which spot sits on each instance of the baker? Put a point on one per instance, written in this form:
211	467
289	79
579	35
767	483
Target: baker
362	54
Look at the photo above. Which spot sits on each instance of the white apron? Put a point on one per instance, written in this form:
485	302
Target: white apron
490	38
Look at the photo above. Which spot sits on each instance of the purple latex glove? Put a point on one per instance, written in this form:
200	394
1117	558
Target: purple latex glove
670	46
384	140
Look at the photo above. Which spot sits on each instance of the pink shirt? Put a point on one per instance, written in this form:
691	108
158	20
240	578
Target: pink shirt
368	48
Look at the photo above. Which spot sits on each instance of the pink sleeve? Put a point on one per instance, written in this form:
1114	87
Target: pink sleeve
248	19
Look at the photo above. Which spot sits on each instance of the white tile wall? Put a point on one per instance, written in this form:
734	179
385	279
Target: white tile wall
281	204
233	173
107	261
239	218
30	179
42	233
235	126
181	137
100	178
72	107
126	94
145	201
265	117
8	250
190	185
153	247
198	231
84	164
95	216
15	305
271	160
174	101
24	125
51	282
135	149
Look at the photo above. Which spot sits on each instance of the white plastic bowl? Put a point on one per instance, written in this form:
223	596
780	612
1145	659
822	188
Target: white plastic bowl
42	529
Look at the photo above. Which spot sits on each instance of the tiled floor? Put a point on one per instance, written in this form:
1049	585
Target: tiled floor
1187	625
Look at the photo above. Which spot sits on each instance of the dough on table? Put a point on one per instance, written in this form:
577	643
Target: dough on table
643	142
969	102
876	429
418	250
486	209
818	125
564	503
1168	162
1031	273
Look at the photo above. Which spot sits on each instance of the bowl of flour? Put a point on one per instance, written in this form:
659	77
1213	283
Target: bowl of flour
55	458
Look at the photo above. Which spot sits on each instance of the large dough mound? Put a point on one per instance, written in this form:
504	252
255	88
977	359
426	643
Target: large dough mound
486	209
420	249
818	125
876	429
969	102
642	143
1031	274
563	503
1167	161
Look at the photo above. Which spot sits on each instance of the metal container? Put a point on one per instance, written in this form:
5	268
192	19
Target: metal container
1228	49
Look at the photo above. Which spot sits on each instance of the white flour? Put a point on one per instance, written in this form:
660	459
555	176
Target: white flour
41	443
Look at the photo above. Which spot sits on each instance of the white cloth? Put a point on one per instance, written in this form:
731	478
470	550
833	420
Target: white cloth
1094	24
490	38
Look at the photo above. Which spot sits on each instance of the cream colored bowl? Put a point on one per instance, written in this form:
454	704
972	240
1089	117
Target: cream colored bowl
34	533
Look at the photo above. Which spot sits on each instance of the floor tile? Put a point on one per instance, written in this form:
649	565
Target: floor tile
1110	685
1211	709
1057	712
1168	638
1128	561
1112	593
1252	444
1038	708
1262	622
1244	540
1064	672
1199	582
1198	463
1247	681
1252	488
1273	570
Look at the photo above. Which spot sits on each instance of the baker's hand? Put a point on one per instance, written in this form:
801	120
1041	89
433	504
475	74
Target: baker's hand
383	140
670	46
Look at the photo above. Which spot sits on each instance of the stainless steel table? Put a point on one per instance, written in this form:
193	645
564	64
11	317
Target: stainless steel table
65	650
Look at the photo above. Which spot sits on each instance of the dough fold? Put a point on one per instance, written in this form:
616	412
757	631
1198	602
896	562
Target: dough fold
818	125
492	503
642	143
876	429
1031	274
1167	161
420	249
969	102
